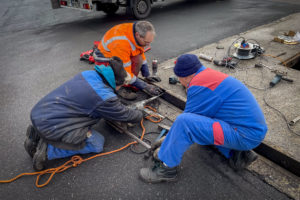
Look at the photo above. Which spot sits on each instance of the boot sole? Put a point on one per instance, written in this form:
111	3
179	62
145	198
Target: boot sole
160	179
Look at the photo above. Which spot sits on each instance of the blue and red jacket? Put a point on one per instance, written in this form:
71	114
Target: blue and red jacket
219	96
65	115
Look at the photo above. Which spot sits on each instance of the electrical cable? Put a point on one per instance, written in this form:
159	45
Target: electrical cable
133	147
267	104
75	161
228	54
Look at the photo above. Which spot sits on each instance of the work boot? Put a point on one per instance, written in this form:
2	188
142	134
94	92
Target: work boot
40	156
127	94
241	159
158	173
31	141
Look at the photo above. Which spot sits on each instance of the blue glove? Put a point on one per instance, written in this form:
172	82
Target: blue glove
146	74
145	70
139	84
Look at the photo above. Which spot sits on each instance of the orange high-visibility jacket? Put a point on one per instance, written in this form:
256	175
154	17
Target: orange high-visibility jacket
120	41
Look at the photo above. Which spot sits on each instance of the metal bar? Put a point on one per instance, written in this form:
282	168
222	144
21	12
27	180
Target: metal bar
137	139
123	130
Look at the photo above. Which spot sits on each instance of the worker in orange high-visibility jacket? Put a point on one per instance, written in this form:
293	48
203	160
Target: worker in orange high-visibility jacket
127	41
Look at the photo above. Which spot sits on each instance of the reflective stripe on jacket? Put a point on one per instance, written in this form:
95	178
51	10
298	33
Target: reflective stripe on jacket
120	41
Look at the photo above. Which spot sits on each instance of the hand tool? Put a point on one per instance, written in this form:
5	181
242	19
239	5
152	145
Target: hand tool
158	142
164	130
278	76
122	128
225	62
140	104
173	80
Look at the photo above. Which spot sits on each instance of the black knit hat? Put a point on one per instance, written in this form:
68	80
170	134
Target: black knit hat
119	71
186	65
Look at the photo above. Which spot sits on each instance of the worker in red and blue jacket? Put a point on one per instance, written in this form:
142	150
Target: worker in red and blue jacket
220	111
62	120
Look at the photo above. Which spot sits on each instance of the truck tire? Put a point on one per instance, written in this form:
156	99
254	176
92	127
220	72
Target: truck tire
109	8
140	9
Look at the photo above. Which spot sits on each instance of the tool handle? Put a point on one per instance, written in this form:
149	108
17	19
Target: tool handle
258	65
162	133
287	79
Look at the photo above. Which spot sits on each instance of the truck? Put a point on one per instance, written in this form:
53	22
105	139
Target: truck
139	9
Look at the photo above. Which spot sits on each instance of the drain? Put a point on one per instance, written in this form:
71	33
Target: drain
293	62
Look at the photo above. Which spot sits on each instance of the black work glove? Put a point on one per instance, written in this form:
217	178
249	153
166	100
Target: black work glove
153	90
153	79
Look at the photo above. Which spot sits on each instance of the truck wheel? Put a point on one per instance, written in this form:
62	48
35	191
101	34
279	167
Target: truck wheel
140	9
110	8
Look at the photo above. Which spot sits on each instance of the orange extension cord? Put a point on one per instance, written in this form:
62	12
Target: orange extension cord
77	160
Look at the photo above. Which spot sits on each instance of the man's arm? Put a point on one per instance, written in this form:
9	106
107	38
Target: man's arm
113	109
145	69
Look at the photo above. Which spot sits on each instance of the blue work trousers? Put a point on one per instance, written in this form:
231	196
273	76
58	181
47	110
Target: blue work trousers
94	144
190	128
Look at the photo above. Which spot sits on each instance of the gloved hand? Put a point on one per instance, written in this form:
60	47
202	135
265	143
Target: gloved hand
153	79
145	70
153	90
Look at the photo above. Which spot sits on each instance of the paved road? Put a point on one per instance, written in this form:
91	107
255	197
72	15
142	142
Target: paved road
39	51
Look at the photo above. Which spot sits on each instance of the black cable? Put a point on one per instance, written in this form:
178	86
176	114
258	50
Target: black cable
281	114
262	89
133	147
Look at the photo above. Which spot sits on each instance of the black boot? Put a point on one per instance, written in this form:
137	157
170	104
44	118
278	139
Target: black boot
241	159
158	173
31	141
40	157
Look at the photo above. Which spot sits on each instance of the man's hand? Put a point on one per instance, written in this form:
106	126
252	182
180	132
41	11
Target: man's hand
153	79
153	90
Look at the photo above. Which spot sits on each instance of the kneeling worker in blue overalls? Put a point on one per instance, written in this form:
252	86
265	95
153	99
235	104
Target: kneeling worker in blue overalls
62	121
219	111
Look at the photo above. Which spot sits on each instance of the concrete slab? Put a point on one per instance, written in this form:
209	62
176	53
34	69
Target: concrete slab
284	97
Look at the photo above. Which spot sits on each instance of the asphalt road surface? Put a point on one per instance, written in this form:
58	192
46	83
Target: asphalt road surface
40	49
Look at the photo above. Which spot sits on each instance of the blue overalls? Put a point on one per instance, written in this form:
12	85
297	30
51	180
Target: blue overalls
93	144
219	111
